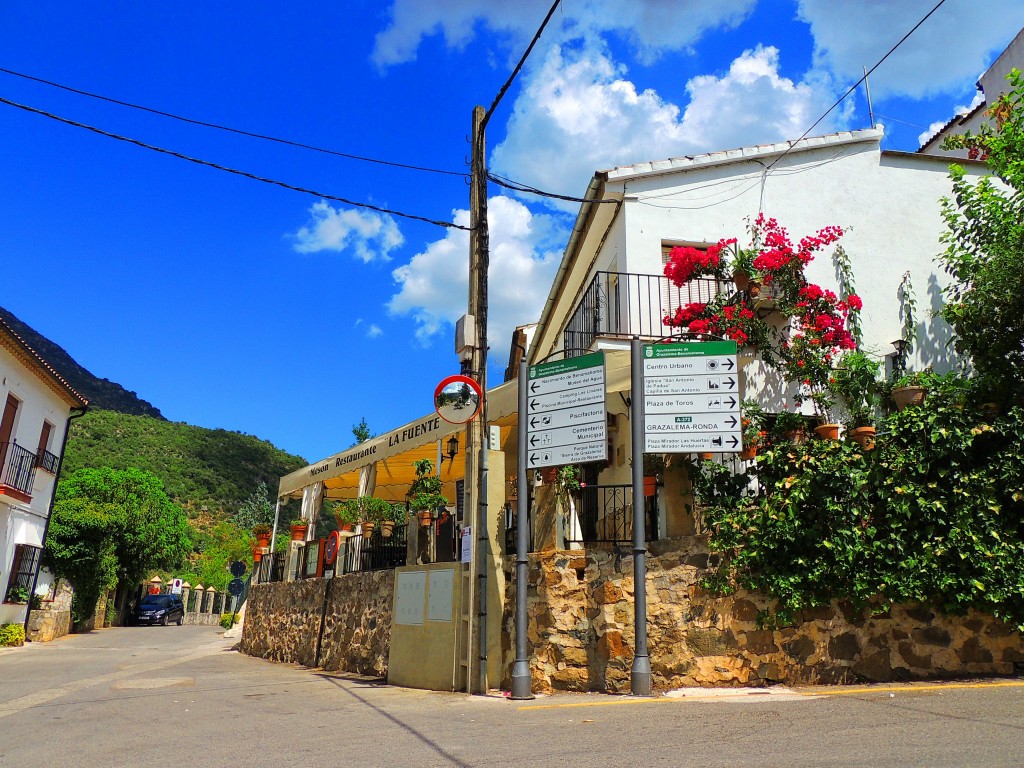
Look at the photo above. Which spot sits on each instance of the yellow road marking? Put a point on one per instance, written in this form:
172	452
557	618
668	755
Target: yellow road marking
912	688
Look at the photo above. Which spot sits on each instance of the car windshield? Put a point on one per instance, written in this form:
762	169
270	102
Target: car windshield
155	601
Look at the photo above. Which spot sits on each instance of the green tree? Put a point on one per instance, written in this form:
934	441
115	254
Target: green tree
985	247
256	510
80	548
361	431
147	530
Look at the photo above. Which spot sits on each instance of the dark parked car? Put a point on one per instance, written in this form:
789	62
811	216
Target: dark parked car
160	609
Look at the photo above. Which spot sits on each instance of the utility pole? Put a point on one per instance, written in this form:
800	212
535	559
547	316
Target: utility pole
475	653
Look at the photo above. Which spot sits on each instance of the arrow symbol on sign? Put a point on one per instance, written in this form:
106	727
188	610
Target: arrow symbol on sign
730	364
533	458
729	382
734	441
533	422
732	402
731	421
533	405
533	439
533	387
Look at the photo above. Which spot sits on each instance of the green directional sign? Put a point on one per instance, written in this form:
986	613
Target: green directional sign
555	367
566	420
690	349
691	397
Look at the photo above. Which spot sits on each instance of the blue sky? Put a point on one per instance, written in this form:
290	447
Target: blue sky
231	303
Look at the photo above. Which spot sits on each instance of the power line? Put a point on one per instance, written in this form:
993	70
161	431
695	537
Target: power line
855	85
238	131
226	169
519	66
516	186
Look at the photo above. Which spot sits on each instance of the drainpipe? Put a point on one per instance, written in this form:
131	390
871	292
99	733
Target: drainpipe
49	510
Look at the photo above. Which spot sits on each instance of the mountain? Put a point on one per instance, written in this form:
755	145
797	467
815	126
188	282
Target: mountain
201	468
101	393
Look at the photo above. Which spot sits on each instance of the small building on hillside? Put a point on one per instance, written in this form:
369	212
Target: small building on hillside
37	407
611	288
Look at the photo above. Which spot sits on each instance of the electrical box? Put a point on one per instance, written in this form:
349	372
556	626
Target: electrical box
494	438
465	336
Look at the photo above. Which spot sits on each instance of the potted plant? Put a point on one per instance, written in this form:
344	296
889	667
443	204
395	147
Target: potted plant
16	594
654	465
911	388
425	496
753	425
855	381
347	514
790	426
262	533
299	528
375	512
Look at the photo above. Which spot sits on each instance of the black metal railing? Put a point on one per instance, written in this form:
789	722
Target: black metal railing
17	467
605	515
47	462
511	513
626	304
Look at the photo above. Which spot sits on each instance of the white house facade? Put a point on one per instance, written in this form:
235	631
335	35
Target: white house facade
37	403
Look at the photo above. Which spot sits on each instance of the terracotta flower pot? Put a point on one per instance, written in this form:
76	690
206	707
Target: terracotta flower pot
906	396
741	279
257	554
263	539
707	455
796	436
650	485
368	527
387	528
828	431
298	532
425	516
863	436
749	453
550	474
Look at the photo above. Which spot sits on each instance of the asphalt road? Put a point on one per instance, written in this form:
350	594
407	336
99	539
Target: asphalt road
179	696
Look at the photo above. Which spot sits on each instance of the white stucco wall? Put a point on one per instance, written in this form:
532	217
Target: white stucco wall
24	522
888	204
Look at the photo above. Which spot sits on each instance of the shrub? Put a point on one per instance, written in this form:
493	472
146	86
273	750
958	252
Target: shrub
11	635
228	619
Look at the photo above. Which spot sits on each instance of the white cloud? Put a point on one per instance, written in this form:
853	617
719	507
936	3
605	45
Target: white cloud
578	113
433	286
945	55
369	235
650	26
938	125
374	331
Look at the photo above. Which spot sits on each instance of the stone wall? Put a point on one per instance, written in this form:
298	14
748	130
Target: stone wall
53	618
581	630
282	622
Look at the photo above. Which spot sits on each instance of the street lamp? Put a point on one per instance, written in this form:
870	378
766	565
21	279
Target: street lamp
451	449
899	360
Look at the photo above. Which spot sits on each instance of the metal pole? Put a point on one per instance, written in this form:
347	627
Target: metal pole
640	675
521	665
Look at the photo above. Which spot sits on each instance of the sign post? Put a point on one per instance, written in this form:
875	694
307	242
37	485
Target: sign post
691	398
566	419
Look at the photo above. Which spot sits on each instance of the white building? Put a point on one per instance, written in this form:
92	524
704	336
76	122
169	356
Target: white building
991	86
37	405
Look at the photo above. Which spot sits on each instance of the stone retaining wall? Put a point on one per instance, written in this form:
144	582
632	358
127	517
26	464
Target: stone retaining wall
282	622
53	618
581	634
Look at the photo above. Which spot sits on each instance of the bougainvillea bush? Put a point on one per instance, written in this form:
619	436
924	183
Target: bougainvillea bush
820	322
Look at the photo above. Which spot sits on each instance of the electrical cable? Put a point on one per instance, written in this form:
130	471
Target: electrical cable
226	169
519	66
239	131
855	85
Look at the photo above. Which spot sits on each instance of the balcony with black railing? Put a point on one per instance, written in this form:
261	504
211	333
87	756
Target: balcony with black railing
48	462
17	471
624	304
